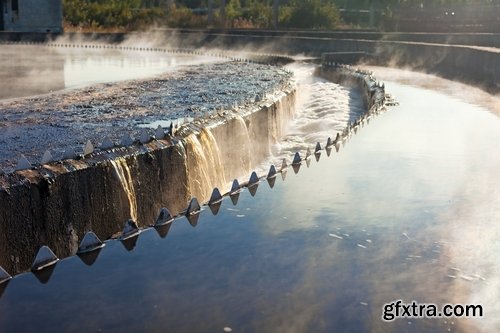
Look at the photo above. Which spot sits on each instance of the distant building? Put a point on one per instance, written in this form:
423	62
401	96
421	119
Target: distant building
31	15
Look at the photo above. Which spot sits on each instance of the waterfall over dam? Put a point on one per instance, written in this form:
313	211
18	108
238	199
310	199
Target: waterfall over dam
99	193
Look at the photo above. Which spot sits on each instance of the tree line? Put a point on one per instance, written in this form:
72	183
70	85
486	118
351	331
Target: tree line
303	14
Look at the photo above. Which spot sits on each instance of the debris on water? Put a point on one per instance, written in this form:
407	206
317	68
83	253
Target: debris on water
369	241
362	246
336	236
228	329
240	215
363	303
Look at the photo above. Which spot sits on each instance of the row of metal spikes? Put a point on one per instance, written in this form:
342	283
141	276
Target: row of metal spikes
91	245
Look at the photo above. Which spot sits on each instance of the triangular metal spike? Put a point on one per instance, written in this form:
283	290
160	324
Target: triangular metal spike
254	179
131	229
164	217
193	207
216	197
337	138
171	128
47	157
235	187
308	153
308	162
4	276
284	165
44	258
337	146
69	154
89	243
296	159
329	142
107	143
23	163
127	140
88	148
317	157
272	172
144	138
317	150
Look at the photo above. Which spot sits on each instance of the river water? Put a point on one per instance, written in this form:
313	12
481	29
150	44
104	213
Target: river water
407	209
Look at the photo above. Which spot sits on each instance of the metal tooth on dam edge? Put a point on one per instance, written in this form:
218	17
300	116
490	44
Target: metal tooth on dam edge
254	179
329	142
317	150
296	159
130	230
164	217
23	164
47	157
107	143
88	148
216	197
44	258
4	276
193	207
89	243
126	140
235	187
272	172
159	133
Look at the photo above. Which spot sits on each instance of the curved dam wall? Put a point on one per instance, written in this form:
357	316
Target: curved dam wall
470	58
470	64
55	205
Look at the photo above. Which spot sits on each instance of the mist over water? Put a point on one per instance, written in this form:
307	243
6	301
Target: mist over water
27	70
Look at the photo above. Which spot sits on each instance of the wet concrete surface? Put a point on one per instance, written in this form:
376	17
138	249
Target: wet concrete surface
65	120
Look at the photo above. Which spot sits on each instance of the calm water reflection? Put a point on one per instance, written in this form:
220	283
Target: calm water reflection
33	70
407	210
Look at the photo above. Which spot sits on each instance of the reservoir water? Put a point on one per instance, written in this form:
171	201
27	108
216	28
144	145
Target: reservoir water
407	209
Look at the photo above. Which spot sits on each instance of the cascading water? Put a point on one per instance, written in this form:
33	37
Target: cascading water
122	171
203	163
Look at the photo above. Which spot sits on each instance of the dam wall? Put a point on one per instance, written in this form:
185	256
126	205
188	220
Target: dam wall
57	203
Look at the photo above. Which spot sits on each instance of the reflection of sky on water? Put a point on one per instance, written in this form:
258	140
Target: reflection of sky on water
33	70
406	210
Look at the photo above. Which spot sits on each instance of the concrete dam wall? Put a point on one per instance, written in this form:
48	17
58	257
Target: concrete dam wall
56	204
474	65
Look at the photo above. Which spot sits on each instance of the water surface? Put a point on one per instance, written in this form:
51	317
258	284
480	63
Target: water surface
406	210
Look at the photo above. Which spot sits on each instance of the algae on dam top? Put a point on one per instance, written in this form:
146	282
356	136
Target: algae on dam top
64	120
